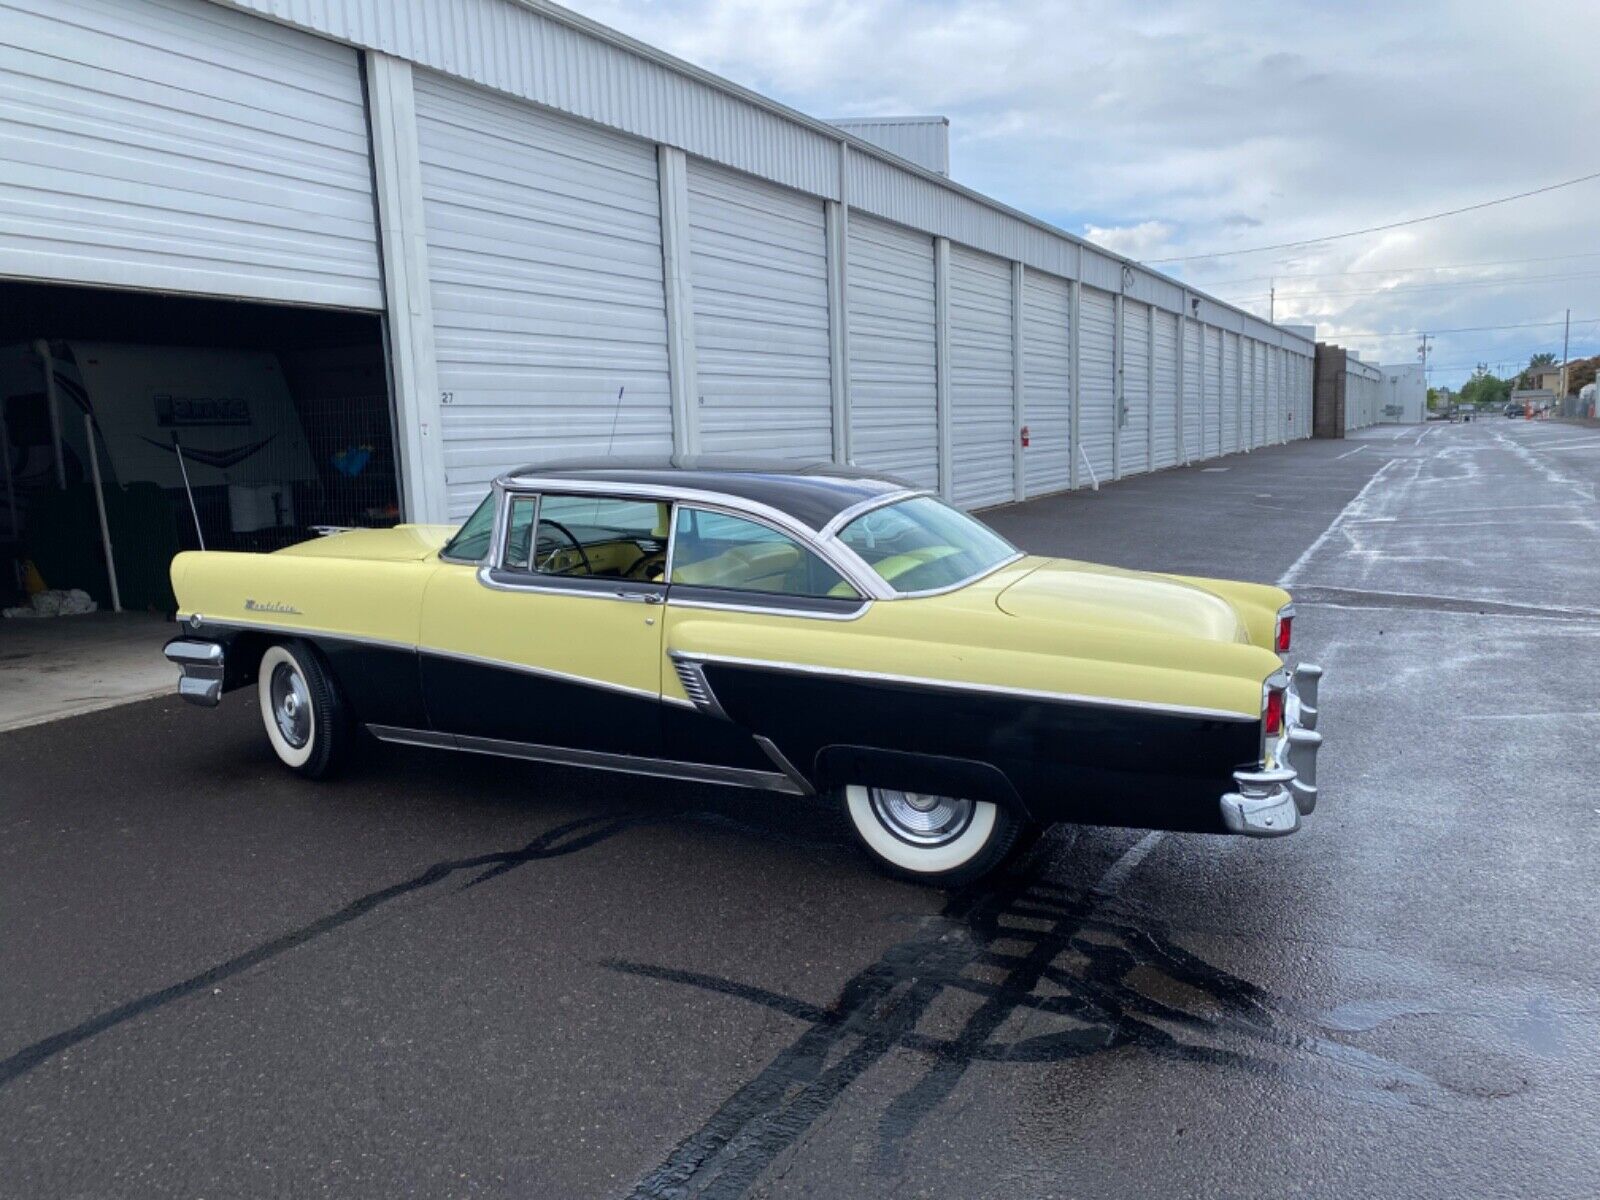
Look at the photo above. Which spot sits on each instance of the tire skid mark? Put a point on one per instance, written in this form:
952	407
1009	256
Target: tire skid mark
568	838
1102	971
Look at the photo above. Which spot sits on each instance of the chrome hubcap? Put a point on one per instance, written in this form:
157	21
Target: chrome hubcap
921	818
291	705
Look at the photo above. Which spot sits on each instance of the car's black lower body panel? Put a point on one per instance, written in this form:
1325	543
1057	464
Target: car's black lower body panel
1085	762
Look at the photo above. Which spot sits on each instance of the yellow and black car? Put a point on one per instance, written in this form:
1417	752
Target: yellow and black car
797	629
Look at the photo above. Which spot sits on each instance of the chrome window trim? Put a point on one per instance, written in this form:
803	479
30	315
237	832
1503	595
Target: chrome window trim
636	591
951	685
760	610
849	565
630	764
533	541
841	519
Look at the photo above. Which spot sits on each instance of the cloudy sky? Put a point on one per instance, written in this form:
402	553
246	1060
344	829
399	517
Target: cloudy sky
1174	129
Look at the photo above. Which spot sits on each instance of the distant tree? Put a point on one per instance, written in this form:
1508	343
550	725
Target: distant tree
1581	373
1485	389
1433	398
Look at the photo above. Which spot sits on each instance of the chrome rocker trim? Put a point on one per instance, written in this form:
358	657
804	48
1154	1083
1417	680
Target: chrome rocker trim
201	668
1271	799
627	763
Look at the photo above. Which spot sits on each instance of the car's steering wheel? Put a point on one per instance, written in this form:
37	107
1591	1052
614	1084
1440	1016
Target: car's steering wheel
576	545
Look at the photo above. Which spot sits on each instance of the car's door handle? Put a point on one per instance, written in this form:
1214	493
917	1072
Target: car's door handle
639	597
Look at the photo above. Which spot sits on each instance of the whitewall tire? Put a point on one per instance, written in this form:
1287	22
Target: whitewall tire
300	709
932	839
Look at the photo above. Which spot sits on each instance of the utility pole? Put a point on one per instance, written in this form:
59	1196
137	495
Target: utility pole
1272	301
1565	334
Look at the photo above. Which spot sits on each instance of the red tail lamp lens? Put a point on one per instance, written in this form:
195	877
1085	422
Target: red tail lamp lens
1285	626
1274	714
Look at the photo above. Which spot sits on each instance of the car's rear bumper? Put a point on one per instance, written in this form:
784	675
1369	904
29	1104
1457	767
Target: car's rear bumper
1270	800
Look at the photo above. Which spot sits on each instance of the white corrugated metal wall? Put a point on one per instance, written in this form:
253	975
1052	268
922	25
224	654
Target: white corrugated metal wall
183	147
981	379
544	260
759	265
1166	403
1258	412
1047	381
1134	443
612	222
894	363
1097	383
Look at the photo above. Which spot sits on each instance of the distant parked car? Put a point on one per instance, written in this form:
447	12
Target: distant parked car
1514	410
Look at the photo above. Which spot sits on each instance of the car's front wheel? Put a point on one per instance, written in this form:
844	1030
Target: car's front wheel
301	710
942	840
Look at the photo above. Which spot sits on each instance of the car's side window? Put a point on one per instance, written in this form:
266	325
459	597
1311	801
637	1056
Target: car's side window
718	550
584	537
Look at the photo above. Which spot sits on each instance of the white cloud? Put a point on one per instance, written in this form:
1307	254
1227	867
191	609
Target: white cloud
1183	127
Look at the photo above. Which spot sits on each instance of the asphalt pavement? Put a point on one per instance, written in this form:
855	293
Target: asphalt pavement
447	976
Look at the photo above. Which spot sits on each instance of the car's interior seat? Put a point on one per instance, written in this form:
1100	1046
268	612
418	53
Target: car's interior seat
762	566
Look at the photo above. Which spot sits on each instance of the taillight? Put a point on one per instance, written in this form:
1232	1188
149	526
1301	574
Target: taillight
1272	710
1285	628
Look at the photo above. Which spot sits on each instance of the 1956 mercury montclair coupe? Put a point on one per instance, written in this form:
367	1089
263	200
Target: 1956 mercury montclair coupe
801	630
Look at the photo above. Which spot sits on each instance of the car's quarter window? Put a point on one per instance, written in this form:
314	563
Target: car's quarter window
720	551
471	541
923	544
519	531
602	537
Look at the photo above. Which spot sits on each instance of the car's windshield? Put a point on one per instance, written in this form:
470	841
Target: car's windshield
471	541
922	544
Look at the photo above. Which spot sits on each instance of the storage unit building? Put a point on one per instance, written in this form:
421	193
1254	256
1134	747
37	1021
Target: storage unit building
576	244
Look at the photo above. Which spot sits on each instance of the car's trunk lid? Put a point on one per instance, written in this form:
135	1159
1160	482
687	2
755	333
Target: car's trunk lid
1089	595
402	543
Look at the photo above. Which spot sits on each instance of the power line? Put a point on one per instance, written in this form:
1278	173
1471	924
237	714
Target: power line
1424	287
1470	329
1334	237
1505	262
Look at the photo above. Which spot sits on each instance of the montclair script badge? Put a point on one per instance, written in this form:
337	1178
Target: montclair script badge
271	606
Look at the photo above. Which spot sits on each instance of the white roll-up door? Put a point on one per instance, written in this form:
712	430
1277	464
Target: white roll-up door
1134	443
1191	391
1274	395
894	365
177	145
544	263
1213	438
1097	341
981	415
1047	375
1166	404
1230	393
1258	407
759	264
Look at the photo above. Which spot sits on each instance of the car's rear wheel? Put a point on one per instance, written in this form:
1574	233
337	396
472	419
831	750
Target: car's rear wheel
301	710
942	840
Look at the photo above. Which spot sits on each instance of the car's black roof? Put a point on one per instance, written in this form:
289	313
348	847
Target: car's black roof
813	493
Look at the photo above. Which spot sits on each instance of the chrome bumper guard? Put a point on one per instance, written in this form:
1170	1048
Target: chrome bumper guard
201	664
1270	800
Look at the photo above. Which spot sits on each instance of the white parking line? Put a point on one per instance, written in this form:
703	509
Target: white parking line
1355	510
1357	450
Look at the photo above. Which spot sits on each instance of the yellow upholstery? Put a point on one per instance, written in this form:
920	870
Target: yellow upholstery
740	567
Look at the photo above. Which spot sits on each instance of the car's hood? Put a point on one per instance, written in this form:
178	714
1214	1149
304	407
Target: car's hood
1109	598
